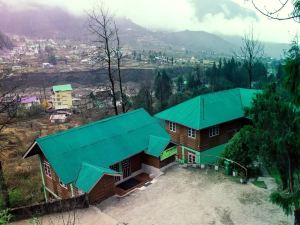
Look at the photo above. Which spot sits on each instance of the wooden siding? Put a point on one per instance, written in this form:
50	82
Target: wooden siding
136	162
53	182
203	141
155	162
226	131
167	161
104	189
151	160
181	136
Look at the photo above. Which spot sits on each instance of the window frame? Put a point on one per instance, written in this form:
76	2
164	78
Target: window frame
172	126
63	185
192	131
47	167
191	157
214	131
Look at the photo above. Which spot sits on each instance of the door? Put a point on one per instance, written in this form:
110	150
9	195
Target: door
126	168
191	157
116	168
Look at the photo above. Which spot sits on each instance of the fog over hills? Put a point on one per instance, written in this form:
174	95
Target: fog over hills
40	21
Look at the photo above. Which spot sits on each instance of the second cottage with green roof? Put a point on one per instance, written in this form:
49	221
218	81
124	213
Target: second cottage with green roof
203	125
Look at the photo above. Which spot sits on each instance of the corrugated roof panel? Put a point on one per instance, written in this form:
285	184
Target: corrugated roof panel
210	109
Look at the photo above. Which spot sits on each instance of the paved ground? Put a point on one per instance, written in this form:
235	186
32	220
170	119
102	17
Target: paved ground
90	216
195	197
182	197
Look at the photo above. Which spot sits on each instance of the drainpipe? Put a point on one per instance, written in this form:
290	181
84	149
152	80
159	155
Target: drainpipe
182	152
43	179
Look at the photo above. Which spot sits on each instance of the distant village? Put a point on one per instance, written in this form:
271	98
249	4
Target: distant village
50	56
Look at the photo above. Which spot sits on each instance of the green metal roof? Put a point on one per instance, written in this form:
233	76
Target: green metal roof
156	144
65	87
89	175
102	143
211	156
210	109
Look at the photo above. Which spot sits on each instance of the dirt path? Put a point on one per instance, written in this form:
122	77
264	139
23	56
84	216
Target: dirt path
193	197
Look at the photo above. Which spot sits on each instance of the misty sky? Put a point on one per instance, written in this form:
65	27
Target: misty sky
231	17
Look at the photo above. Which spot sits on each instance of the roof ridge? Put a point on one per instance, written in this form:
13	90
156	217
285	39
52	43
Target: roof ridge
114	136
90	124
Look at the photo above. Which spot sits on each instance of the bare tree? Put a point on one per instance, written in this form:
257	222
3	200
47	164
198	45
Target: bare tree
119	56
251	52
101	25
281	11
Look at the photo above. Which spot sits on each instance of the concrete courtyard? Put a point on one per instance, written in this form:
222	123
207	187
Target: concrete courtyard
182	196
195	197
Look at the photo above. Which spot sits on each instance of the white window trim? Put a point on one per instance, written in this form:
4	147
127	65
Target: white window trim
48	165
171	126
190	131
216	131
63	185
192	154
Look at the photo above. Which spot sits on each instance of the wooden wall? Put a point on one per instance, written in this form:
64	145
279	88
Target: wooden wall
155	162
227	130
203	141
181	136
151	160
104	189
136	162
54	185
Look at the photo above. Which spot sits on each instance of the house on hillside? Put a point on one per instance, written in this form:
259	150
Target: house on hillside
103	158
203	125
27	102
62	97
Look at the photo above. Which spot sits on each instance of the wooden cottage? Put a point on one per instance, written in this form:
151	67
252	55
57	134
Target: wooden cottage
99	157
203	125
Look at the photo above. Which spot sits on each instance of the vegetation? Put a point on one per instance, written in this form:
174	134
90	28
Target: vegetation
274	135
5	217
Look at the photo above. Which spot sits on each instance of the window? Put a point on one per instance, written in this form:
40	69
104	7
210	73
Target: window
47	169
214	131
191	133
62	184
172	126
58	99
191	157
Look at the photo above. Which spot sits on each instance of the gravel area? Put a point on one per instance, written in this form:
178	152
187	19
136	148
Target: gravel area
195	197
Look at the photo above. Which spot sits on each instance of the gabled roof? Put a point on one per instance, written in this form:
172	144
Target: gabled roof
100	144
65	87
89	176
210	109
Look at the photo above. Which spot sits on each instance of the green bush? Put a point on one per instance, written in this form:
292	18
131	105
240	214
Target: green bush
238	148
16	198
4	217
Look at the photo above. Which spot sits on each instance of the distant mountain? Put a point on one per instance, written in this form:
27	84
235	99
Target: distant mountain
5	42
42	22
53	22
270	49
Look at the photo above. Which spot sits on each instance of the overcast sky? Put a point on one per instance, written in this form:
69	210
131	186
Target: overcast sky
231	17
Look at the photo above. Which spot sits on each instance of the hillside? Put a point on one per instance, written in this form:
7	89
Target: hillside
54	22
5	42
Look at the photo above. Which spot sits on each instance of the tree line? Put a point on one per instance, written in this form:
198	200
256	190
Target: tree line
165	92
